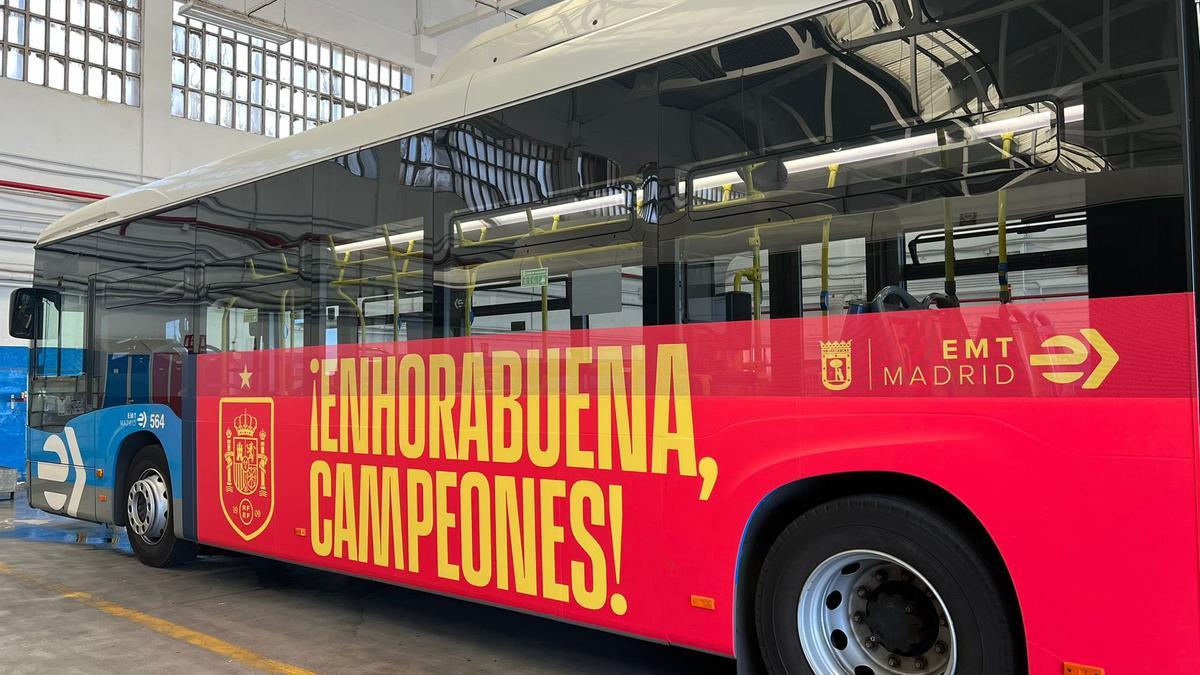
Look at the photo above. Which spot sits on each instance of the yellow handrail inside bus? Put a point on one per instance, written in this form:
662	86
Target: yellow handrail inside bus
1002	227
545	299
948	255
286	270
225	323
753	274
948	248
468	299
472	271
287	318
825	227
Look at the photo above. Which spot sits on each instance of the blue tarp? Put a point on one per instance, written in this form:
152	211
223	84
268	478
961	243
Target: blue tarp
14	379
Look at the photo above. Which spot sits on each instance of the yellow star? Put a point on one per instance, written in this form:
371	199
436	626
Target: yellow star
245	375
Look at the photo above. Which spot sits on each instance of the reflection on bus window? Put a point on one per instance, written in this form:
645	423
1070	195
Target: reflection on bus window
58	386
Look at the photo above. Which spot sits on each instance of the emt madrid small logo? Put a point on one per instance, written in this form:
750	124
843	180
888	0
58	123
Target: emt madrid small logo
835	365
247	464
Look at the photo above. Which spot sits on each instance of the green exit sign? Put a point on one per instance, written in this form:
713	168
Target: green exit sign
535	278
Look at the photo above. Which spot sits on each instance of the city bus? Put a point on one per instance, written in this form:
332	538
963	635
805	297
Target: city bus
844	338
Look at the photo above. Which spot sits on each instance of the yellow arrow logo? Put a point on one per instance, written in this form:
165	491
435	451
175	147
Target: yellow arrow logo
1076	353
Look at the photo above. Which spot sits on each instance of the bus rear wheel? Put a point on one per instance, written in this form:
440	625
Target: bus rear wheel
148	512
878	585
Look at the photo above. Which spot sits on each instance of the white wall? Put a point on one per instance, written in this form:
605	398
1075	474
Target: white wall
382	28
64	140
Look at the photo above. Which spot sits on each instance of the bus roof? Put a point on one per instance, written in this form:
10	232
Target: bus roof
563	45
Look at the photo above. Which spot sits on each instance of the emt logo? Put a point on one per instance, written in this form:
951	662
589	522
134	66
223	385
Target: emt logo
247	464
1074	354
57	472
835	365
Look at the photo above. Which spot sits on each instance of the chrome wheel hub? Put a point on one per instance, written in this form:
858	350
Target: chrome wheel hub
869	613
147	506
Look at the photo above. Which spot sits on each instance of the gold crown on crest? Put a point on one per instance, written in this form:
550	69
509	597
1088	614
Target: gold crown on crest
835	348
245	424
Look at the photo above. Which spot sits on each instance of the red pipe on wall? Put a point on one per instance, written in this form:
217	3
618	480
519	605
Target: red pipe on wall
30	187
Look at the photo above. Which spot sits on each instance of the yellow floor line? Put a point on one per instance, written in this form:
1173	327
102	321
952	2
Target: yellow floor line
204	641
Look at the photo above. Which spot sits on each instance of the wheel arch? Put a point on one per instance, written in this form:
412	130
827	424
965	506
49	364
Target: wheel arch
126	451
787	502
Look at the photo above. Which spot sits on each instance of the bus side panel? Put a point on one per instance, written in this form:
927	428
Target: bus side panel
633	519
1086	502
61	466
1086	493
74	472
156	423
557	518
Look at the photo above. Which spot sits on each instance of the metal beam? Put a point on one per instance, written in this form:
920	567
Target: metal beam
260	5
482	11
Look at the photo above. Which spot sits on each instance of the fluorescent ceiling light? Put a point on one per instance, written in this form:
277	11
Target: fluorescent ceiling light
566	209
1024	123
378	242
235	21
714	181
911	145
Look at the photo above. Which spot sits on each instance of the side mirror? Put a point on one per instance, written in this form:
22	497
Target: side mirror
25	312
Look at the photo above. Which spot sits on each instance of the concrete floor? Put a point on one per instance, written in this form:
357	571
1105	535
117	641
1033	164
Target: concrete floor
73	599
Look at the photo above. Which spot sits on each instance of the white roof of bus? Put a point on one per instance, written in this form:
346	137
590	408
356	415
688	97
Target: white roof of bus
568	43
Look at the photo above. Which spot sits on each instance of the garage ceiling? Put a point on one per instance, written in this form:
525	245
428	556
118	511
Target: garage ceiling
437	16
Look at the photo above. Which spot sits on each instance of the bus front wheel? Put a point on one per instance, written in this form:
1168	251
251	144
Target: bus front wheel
878	585
148	512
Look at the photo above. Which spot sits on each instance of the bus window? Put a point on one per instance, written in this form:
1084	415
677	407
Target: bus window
58	386
546	210
589	285
370	252
937	252
891	181
143	324
373	285
249	255
253	304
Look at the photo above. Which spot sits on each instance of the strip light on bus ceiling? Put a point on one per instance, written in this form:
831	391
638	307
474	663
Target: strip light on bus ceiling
1024	123
912	144
235	21
378	242
565	209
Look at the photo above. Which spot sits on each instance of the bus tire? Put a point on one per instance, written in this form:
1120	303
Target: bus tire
879	584
148	512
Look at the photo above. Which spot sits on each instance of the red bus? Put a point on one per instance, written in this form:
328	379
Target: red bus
844	338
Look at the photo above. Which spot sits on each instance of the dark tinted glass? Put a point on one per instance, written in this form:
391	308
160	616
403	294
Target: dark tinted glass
269	214
547	210
171	234
58	383
892	155
251	243
370	259
142	331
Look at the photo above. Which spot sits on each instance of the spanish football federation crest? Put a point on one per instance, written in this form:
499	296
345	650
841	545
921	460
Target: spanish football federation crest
247	457
835	365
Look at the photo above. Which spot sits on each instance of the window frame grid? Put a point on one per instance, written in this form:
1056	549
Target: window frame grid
243	94
102	66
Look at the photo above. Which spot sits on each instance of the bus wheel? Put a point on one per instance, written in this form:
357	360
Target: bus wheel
148	512
878	585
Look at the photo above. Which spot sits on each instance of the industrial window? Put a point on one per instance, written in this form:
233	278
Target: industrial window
91	47
219	76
